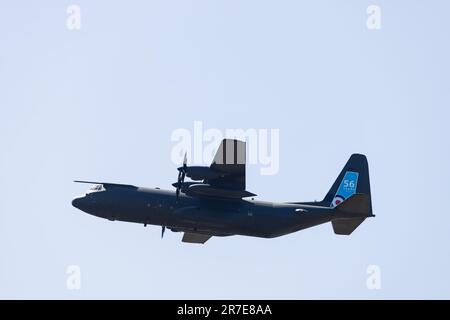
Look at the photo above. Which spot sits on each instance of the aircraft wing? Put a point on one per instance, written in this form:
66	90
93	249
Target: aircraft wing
107	184
224	178
229	163
195	237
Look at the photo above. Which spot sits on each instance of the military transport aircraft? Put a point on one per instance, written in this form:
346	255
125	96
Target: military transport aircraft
215	202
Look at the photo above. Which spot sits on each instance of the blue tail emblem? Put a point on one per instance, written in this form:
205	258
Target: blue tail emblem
346	189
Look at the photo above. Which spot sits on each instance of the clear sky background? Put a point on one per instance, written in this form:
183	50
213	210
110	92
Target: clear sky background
101	103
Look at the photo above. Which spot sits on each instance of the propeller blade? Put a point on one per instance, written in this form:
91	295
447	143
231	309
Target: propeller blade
162	231
178	184
181	175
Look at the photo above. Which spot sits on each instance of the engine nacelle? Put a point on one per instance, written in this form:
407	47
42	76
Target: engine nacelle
198	173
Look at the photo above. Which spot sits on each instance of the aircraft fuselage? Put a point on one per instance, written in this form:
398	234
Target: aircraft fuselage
212	216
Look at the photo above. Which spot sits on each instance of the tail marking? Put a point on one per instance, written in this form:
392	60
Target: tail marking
346	189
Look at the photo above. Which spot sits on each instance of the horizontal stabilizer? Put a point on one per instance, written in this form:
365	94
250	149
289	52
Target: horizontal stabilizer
358	205
346	226
195	237
351	213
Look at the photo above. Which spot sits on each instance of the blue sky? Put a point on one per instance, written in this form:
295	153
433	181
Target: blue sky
102	102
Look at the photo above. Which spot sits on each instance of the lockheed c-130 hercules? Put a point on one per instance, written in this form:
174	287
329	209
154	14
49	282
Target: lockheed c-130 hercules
214	202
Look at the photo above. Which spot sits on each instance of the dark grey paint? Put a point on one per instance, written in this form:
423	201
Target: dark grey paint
222	217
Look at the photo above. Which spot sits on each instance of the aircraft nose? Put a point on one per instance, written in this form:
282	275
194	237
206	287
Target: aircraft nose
78	202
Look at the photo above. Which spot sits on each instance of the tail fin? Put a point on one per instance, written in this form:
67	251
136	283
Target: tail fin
350	195
354	178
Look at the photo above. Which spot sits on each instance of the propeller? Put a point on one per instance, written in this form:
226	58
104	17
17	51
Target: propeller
181	175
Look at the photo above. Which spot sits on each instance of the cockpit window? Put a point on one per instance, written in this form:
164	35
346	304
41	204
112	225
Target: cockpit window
96	188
